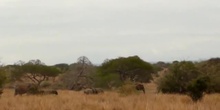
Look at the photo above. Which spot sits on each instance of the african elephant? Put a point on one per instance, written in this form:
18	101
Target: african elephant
25	88
1	91
140	87
93	91
44	92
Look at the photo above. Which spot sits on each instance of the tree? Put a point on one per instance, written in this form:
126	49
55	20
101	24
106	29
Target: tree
159	66
2	76
34	70
132	68
211	68
79	74
107	81
178	77
63	67
197	87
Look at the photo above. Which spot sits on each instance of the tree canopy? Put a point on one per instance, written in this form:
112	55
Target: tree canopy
211	68
35	70
62	66
132	68
2	76
178	77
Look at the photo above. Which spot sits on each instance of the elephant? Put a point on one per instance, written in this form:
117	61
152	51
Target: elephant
1	91
44	92
93	91
21	89
140	87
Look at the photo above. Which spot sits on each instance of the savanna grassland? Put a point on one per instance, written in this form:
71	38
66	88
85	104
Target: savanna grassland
71	100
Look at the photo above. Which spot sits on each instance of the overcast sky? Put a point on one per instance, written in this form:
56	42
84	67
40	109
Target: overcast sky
60	31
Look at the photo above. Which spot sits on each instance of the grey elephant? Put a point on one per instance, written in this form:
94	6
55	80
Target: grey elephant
93	91
28	88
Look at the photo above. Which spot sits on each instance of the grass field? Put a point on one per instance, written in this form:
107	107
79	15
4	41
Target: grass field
70	100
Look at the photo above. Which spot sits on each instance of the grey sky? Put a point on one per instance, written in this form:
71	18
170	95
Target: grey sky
57	31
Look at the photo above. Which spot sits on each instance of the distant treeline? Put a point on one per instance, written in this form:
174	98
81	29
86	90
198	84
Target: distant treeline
176	77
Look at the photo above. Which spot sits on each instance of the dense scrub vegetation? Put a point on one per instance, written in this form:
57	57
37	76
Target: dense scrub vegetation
2	76
191	78
183	77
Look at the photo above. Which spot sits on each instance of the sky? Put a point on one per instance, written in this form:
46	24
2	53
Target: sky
60	31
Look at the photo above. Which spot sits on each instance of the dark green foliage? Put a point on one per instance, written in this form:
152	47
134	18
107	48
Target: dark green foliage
35	70
197	87
107	80
179	76
16	72
62	66
2	77
40	70
160	66
211	68
132	68
185	78
168	84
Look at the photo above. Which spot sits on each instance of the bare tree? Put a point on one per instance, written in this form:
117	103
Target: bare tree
79	74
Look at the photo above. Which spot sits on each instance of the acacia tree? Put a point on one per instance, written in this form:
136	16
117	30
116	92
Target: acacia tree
79	74
34	70
132	68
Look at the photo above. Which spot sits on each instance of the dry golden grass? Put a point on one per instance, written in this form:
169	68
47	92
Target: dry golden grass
70	100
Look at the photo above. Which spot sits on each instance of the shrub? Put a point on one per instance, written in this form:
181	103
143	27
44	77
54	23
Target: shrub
178	77
211	68
197	87
2	77
105	80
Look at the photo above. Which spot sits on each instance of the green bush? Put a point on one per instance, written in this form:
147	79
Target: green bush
180	74
214	84
197	87
103	80
168	84
211	68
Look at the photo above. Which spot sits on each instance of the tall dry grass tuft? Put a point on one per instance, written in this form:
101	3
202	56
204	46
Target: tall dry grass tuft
70	100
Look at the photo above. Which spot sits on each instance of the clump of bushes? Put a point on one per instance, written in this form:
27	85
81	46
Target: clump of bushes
178	77
197	87
2	77
211	68
107	80
184	78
